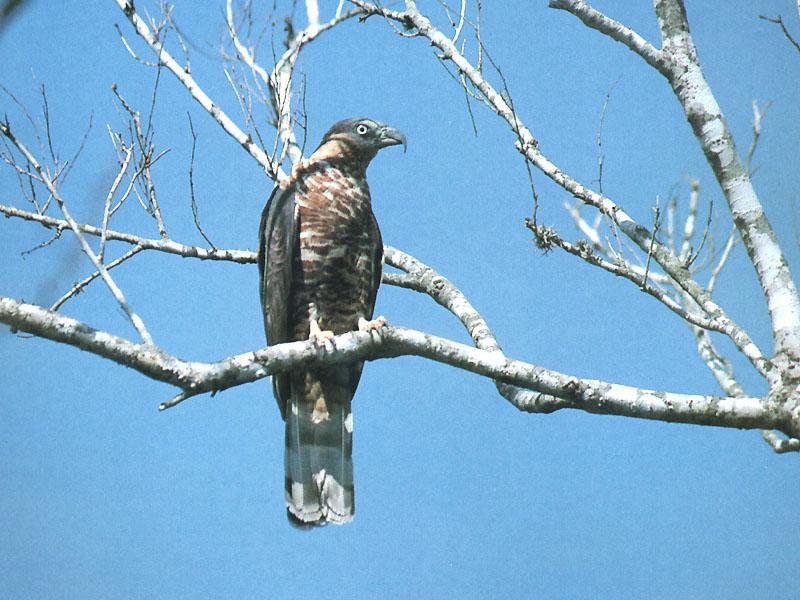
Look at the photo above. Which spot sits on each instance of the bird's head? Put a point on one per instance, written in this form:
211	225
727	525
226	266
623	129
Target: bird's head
359	139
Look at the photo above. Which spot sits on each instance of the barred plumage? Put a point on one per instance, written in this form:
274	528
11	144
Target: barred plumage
320	256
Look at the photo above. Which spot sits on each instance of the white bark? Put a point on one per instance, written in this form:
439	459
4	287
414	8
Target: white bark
557	390
705	116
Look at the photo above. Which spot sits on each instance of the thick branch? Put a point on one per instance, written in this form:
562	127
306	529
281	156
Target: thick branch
588	395
709	126
680	65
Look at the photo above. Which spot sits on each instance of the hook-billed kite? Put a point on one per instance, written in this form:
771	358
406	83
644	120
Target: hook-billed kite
319	259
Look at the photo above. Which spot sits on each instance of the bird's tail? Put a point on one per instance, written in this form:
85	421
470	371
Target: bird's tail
319	453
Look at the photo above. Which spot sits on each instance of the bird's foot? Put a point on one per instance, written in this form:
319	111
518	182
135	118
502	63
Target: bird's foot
297	168
322	337
373	325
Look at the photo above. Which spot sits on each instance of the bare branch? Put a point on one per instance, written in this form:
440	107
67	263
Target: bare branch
174	401
656	225
758	116
608	252
780	445
599	138
79	286
726	251
143	30
279	81
109	198
528	146
56	235
424	279
146	149
168	246
613	29
583	250
705	116
719	366
191	186
135	320
688	225
779	21
584	394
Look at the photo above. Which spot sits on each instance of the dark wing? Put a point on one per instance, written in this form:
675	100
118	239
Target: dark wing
377	262
277	241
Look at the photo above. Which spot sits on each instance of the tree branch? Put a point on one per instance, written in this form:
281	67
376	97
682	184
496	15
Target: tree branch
613	29
168	246
620	268
779	21
78	287
779	445
135	320
709	127
274	171
423	279
584	394
528	146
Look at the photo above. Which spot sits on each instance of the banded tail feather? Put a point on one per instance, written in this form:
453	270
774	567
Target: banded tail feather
318	457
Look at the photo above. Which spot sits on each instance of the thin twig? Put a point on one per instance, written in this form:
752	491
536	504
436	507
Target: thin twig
726	251
213	109
168	246
758	116
128	152
656	223
56	235
78	287
599	137
135	320
779	21
195	216
146	149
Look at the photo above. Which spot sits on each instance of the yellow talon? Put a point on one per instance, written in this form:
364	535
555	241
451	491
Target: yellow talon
320	336
377	323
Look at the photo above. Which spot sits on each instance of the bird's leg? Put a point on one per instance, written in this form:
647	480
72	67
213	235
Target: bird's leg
297	168
319	335
377	323
315	332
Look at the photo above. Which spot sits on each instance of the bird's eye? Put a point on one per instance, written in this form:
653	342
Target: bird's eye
362	129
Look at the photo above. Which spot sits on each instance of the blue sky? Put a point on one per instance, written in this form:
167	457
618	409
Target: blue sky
458	494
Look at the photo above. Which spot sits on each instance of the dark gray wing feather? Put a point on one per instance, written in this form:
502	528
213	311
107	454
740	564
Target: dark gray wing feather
377	262
277	242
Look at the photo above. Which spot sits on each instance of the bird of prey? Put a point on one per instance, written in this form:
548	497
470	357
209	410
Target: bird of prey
319	258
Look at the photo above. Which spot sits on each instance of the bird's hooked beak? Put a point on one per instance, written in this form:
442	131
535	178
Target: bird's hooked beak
392	137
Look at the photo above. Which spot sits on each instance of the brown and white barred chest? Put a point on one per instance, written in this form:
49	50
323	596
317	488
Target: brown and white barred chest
334	266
